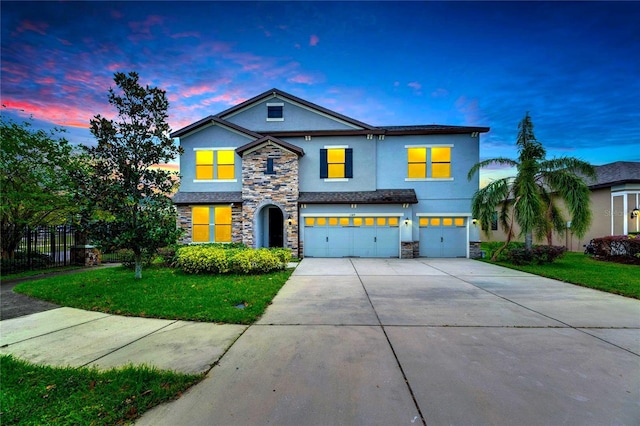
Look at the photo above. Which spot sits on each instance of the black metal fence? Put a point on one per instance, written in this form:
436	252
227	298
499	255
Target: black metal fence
39	248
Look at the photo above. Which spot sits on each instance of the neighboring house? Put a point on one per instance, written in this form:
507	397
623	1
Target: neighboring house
615	194
279	171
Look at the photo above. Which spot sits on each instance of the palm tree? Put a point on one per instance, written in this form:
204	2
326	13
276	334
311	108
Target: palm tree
530	197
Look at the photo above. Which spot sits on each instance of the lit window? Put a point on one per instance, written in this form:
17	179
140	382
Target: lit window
424	221
204	164
223	224
381	221
435	221
321	221
441	162
200	219
308	221
344	221
357	221
333	221
429	162
417	163
447	221
226	167
459	221
203	221
368	221
222	162
393	221
336	163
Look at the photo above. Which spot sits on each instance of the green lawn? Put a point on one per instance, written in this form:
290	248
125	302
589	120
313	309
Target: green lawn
40	395
583	270
162	293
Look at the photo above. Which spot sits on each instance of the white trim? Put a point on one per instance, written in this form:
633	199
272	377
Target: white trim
428	179
275	119
214	180
336	146
275	104
437	145
267	143
336	180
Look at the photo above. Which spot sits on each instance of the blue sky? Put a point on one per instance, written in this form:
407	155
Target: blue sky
575	66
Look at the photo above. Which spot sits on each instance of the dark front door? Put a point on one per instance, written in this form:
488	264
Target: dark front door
276	223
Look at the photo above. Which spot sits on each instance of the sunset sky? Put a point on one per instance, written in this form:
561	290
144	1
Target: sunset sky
574	66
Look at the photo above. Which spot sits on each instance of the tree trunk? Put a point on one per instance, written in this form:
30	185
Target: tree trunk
528	240
138	259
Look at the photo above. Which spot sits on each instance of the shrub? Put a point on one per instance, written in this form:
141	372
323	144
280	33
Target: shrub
168	255
255	261
203	259
614	246
221	259
537	255
128	260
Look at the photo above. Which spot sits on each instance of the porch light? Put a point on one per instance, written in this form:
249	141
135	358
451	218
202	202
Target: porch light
406	221
635	212
474	221
289	222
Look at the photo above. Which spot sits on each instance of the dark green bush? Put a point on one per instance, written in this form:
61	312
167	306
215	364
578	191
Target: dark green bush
537	255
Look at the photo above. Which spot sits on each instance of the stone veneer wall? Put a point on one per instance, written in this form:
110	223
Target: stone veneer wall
279	189
474	250
406	250
184	222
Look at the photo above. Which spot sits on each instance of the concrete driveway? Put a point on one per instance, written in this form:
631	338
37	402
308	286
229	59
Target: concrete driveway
424	341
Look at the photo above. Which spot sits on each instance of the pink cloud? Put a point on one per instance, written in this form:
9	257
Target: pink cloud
304	79
186	34
314	40
36	27
142	29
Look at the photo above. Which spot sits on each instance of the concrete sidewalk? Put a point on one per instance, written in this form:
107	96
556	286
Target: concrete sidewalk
455	341
374	341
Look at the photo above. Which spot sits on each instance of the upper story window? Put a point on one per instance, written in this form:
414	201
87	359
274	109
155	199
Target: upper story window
429	162
270	170
215	164
336	162
275	111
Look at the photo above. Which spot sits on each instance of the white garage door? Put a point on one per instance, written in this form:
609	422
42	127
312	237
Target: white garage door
351	236
443	236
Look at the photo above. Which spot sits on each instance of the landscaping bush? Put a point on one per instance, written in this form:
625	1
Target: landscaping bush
538	255
168	255
222	259
615	248
255	261
491	247
128	260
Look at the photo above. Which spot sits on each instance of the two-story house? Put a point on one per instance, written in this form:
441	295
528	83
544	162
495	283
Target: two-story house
279	171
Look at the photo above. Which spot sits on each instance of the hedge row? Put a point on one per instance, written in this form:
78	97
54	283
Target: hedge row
537	255
217	259
615	246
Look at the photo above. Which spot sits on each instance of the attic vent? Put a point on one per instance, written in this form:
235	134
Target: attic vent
369	137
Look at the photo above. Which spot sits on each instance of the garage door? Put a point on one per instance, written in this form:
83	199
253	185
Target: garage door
351	236
443	236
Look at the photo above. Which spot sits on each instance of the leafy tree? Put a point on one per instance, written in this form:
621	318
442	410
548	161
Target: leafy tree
36	187
128	187
530	197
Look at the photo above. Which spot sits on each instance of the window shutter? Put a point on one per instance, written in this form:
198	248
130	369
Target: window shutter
324	166
348	163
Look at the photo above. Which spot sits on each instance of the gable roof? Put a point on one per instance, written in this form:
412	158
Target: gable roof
212	119
275	92
270	139
616	173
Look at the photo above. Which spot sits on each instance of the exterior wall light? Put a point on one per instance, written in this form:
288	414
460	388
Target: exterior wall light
289	222
635	212
406	221
474	221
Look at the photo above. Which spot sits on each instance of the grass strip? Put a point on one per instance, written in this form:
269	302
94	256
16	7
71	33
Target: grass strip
577	268
162	293
40	395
